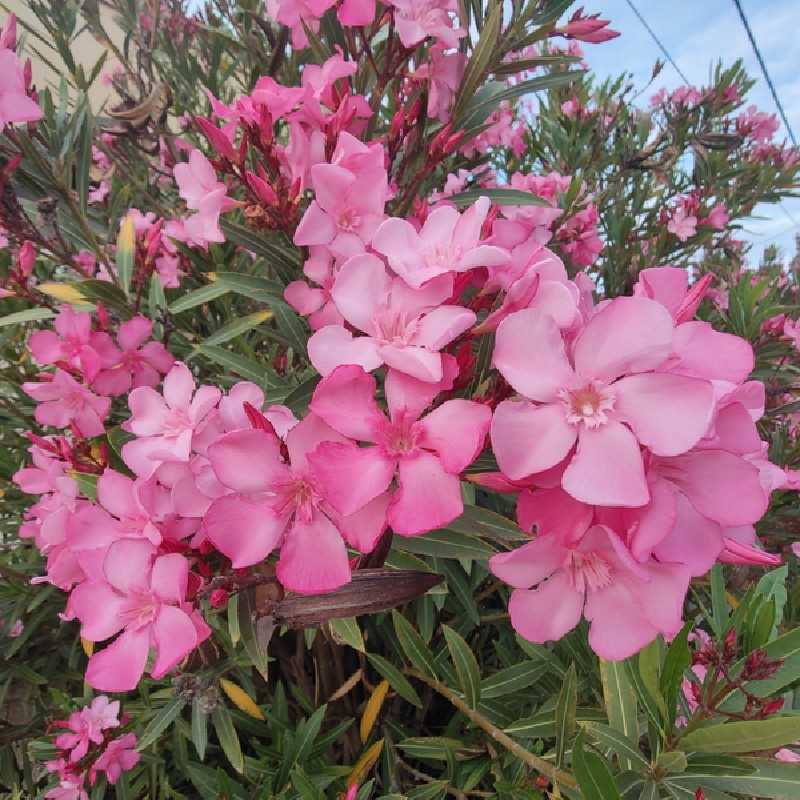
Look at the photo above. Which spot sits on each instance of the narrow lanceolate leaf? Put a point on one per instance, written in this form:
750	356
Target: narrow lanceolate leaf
365	763
396	678
126	252
469	675
241	365
164	717
372	709
199	727
565	713
747	736
28	315
63	292
592	774
255	630
346	631
500	197
620	702
237	327
370	591
307	732
228	738
414	647
241	699
768	778
676	662
625	748
198	297
513	679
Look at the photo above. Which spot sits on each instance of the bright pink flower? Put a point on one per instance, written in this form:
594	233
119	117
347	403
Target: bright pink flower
119	756
682	225
293	13
26	258
717	218
356	12
166	424
592	575
444	70
143	596
787	755
72	343
63	401
87	725
427	455
347	209
447	242
578	236
8	36
589	28
278	505
417	20
70	788
606	397
405	328
15	105
137	364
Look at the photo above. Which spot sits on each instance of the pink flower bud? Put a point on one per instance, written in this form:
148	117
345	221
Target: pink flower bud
26	259
8	36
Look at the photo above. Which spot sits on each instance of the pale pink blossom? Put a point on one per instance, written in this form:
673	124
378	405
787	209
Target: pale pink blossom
417	20
15	105
63	401
119	756
682	225
444	71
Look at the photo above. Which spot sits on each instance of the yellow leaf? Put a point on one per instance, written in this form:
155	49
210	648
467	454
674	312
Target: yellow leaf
365	763
263	316
88	647
63	292
732	600
373	709
127	236
212	276
241	699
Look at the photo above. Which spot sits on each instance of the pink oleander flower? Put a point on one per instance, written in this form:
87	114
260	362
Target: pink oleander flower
786	755
63	401
70	788
589	28
72	343
757	125
119	756
717	218
558	578
293	13
166	424
578	236
356	12
681	224
444	70
279	505
405	328
15	105
348	205
87	725
426	454
417	20
447	242
142	597
605	395
135	364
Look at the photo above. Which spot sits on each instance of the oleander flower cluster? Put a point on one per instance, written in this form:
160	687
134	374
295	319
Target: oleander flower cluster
443	325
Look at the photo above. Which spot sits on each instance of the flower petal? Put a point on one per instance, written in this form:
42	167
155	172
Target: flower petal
548	612
175	636
346	401
248	461
333	346
119	667
530	564
456	430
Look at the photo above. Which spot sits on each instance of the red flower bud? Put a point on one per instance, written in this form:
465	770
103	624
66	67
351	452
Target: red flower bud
218	598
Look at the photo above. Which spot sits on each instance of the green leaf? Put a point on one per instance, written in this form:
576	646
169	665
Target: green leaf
199	727
621	706
241	365
565	713
592	774
676	662
719	603
28	315
279	254
87	484
745	736
396	679
291	325
513	679
255	631
253	286
626	748
307	732
770	778
500	197
672	761
228	738
415	649
477	521
469	674
106	293
299	398
346	630
439	748
445	544
648	663
237	327
198	297
304	786
163	718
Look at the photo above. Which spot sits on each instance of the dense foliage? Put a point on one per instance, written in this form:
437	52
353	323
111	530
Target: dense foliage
388	410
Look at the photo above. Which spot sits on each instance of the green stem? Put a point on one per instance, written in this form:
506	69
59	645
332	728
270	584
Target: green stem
539	764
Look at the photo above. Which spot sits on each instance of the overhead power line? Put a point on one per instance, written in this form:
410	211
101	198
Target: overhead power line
657	41
764	70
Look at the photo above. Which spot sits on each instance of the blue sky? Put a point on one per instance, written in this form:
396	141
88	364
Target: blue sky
697	33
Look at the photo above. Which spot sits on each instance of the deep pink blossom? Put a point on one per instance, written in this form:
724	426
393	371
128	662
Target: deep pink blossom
119	756
604	395
427	454
589	28
143	596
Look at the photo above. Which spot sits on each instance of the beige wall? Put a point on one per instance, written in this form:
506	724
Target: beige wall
86	50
